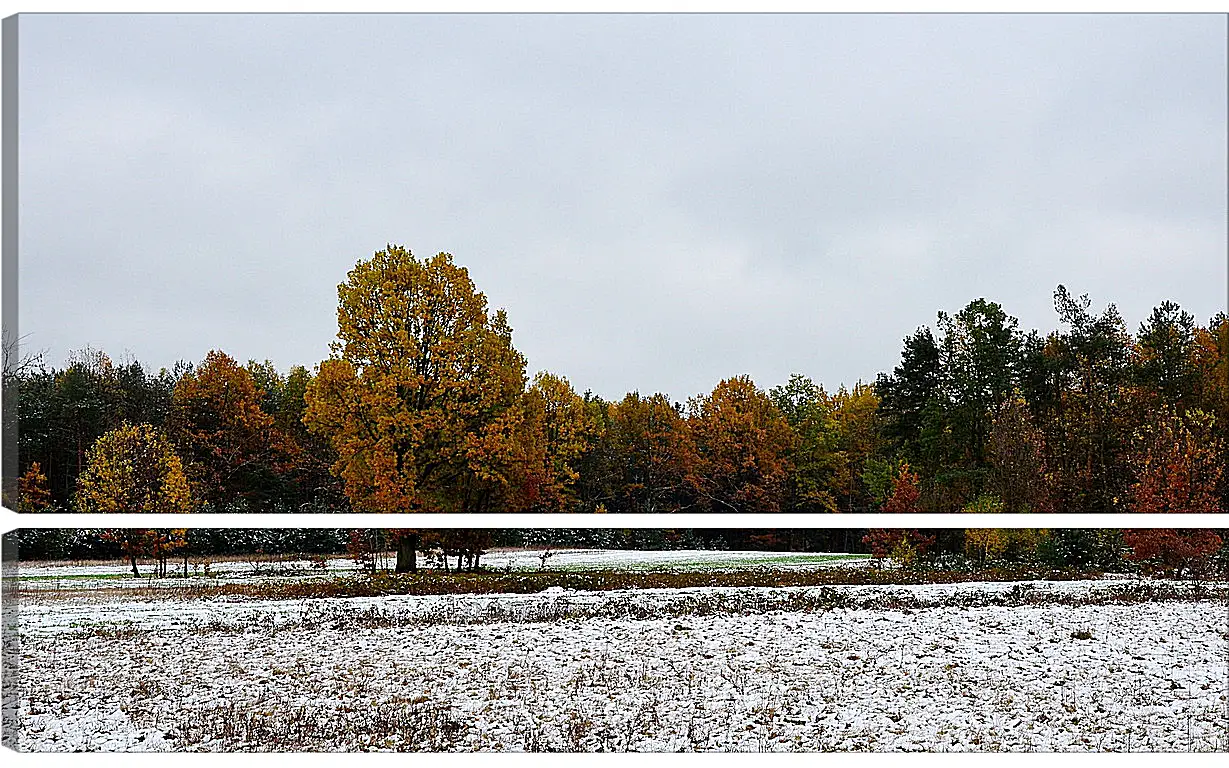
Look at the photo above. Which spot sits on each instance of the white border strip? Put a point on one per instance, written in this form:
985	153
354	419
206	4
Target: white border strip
12	520
617	6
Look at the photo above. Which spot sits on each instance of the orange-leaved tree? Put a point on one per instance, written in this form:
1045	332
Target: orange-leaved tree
905	492
421	396
898	543
226	438
1177	465
856	438
33	495
652	454
742	443
1175	551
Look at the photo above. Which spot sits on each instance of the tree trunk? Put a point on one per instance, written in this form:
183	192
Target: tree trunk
132	558
407	554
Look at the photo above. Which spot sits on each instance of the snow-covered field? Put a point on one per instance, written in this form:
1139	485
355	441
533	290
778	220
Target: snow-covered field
1025	666
678	559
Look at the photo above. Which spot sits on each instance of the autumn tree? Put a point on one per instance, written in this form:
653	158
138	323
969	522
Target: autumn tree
1175	551
133	469
420	398
815	461
1177	465
1210	363
983	545
742	445
557	431
902	545
854	417
33	494
905	493
598	466
225	437
651	455
160	543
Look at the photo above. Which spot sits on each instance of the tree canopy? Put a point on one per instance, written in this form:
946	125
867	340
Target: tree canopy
419	398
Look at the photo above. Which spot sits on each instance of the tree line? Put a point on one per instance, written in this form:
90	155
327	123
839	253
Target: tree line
96	543
424	405
1167	551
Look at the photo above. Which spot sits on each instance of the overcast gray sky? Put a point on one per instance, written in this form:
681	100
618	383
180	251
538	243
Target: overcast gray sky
659	202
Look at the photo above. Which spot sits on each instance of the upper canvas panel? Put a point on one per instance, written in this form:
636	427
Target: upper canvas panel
754	263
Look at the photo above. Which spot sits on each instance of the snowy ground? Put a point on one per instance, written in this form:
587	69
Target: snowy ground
679	559
1026	666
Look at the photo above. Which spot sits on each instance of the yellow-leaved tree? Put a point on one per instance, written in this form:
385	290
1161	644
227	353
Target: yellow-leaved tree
133	469
558	430
421	398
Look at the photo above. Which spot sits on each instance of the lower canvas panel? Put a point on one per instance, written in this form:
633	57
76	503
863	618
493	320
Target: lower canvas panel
615	640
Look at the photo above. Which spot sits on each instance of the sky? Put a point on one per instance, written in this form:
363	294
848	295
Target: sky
659	202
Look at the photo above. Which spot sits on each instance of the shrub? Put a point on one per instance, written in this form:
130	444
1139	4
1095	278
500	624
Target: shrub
1081	547
1013	545
985	544
904	546
1173	551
